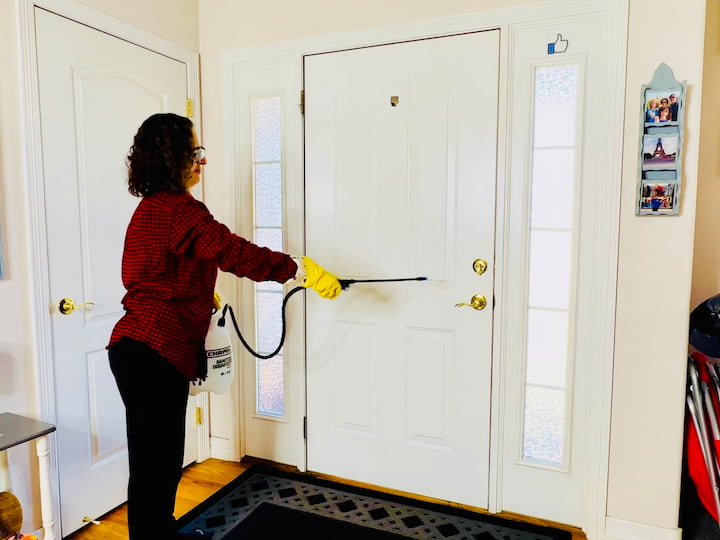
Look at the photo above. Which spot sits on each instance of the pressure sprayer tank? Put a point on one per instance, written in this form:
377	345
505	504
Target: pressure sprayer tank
220	368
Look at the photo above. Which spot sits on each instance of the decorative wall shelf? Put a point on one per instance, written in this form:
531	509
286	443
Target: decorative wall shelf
660	160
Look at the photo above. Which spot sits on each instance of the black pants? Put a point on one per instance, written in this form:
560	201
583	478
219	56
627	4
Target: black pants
155	395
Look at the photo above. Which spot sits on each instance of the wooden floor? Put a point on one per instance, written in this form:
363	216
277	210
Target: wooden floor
201	480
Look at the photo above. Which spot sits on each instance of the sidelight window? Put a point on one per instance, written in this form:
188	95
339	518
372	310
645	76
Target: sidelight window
268	205
553	232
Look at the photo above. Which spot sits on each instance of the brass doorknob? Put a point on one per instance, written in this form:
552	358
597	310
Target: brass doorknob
67	305
477	302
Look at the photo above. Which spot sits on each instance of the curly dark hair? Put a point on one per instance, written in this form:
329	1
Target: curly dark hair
160	158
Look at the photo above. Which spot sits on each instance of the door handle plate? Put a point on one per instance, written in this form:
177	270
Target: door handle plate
477	302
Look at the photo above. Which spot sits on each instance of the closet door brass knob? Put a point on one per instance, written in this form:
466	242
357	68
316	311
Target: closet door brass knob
477	302
67	305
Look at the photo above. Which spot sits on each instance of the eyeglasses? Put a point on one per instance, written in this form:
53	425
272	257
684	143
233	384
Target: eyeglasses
198	154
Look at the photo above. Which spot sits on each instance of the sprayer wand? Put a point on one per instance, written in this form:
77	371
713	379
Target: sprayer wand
344	284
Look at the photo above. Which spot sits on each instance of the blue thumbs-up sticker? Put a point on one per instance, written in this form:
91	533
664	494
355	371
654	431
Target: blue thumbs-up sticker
560	45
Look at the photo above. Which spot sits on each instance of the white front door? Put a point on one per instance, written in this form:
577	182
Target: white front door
95	90
401	145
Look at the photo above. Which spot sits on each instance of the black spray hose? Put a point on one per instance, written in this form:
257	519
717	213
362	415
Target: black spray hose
344	284
227	307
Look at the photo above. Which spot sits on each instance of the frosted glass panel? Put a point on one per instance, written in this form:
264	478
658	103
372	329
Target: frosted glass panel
269	320
550	269
556	106
269	286
551	262
544	420
266	128
271	386
268	195
547	347
267	175
552	188
271	238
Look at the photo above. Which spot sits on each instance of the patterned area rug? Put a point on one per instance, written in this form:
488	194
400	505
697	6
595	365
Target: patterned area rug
268	503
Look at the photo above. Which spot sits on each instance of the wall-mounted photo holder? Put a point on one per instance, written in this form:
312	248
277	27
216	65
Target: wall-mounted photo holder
661	137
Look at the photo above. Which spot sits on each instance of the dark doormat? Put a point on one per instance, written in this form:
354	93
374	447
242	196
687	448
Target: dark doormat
267	503
272	521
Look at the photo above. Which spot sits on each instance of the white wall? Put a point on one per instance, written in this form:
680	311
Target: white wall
654	275
174	20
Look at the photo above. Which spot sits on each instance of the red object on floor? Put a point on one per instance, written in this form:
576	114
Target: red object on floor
696	462
698	472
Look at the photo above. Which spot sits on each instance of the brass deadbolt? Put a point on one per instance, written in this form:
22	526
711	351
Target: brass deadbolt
479	266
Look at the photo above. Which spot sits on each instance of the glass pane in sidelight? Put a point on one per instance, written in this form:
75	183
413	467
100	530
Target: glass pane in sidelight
547	347
553	179
269	286
268	195
271	386
269	320
271	238
555	114
544	425
267	129
550	269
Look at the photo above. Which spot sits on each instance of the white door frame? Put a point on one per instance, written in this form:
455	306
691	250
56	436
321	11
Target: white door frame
289	55
40	279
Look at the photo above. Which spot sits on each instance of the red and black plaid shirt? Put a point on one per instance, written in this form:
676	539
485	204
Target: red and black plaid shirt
173	249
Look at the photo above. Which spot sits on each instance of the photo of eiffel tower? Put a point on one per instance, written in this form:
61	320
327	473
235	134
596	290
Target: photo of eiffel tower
660	152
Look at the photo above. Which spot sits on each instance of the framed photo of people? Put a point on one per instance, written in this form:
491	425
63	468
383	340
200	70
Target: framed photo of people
661	138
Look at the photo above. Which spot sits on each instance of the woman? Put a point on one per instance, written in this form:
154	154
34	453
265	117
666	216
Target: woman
653	111
173	250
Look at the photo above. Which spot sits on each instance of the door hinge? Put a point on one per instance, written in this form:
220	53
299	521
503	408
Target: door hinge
302	101
189	107
304	427
198	416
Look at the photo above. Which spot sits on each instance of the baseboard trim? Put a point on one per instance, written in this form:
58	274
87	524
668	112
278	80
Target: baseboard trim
620	529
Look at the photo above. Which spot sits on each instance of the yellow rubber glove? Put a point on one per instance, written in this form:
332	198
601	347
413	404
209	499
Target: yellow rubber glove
316	277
